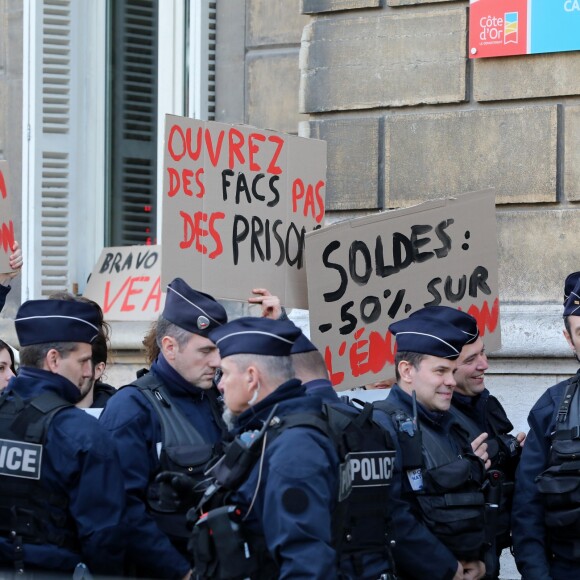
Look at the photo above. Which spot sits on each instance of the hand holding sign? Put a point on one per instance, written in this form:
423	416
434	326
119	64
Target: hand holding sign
7	240
271	306
16	262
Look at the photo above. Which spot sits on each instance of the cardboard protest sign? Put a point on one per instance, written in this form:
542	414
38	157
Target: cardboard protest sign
365	273
237	203
6	223
126	283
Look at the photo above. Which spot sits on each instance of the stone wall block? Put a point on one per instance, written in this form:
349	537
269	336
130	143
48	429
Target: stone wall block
315	6
537	250
513	150
271	22
526	77
383	60
353	155
273	80
572	153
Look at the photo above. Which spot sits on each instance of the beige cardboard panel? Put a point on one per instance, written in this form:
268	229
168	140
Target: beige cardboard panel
184	187
251	198
126	283
243	221
307	190
365	273
6	220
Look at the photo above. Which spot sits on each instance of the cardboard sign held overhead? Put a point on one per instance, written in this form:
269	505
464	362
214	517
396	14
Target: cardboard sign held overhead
6	222
126	283
365	273
237	204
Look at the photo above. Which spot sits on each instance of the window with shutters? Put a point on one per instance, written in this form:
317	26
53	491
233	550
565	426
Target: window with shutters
61	169
93	117
133	106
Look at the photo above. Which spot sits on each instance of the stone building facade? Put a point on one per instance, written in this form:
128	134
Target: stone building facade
408	117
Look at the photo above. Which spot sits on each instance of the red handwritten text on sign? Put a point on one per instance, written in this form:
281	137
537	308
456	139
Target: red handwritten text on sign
370	352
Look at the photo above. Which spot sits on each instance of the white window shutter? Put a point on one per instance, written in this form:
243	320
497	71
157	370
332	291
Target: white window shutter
58	199
186	69
201	65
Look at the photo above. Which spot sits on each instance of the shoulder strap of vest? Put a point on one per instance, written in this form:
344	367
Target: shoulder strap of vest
567	401
33	419
409	434
176	429
303	420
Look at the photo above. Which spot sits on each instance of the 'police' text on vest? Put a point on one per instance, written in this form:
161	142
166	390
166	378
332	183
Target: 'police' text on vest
18	459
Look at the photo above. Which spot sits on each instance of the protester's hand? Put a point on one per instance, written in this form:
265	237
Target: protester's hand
459	573
271	307
521	437
473	570
15	263
479	447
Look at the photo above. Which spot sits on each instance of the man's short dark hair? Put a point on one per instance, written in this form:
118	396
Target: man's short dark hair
413	358
310	364
34	355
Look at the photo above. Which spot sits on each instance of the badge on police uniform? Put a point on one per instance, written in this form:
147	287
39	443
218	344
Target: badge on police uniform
202	322
19	459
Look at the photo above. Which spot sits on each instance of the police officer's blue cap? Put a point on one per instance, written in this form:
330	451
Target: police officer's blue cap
422	334
461	320
570	283
572	303
303	344
192	310
46	321
253	335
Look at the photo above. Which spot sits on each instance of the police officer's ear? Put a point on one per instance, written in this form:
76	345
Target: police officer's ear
569	339
405	369
169	347
253	377
52	359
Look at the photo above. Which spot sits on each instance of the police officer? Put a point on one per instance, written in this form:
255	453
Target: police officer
284	501
480	412
94	392
545	516
310	368
62	500
365	553
440	531
168	420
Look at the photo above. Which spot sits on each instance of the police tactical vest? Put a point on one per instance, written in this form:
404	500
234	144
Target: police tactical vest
446	486
504	452
360	521
183	451
559	484
29	512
